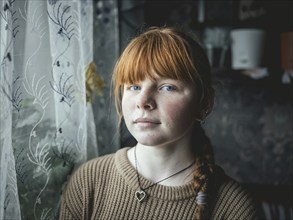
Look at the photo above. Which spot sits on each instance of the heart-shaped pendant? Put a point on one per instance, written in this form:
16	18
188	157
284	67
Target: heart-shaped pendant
140	195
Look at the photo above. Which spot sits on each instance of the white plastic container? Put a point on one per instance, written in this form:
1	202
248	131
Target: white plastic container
247	47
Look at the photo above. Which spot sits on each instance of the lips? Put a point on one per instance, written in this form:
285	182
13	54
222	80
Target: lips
146	121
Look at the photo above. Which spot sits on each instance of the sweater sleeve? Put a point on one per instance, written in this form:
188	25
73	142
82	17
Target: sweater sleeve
73	201
65	213
233	202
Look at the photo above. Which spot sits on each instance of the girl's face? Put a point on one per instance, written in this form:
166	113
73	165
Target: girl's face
159	112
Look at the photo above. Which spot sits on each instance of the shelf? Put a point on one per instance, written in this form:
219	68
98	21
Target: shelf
271	85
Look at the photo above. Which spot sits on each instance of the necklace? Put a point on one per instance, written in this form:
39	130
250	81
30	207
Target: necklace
141	194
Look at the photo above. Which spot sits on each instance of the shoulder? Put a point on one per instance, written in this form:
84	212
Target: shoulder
97	169
92	166
102	164
232	201
79	190
229	190
87	173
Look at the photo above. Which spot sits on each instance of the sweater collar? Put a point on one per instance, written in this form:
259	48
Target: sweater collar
128	173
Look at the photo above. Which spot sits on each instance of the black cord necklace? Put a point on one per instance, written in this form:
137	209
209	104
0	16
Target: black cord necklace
141	194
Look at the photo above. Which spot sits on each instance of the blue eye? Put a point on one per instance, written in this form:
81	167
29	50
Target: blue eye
134	88
168	88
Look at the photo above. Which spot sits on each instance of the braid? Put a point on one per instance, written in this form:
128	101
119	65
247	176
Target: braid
203	175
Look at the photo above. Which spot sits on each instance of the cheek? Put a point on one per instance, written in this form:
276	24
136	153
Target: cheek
180	112
125	108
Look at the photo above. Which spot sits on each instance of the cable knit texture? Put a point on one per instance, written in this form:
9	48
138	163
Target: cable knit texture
104	188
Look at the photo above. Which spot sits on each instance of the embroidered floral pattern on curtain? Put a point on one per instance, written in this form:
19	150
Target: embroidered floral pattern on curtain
46	123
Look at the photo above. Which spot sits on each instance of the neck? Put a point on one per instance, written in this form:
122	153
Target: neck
158	162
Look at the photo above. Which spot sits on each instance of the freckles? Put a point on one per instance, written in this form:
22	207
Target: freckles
179	114
179	109
176	115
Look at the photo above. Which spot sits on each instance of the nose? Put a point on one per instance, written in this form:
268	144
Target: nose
146	101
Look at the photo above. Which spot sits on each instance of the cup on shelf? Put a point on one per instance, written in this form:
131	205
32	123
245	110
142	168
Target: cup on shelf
247	47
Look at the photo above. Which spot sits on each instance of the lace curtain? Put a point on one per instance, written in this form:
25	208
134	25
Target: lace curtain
46	121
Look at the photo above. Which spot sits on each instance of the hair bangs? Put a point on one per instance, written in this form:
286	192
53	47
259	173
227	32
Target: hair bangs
134	65
156	55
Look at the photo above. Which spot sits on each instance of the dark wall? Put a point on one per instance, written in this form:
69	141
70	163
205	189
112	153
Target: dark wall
251	128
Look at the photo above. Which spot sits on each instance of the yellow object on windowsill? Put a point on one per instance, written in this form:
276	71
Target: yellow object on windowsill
95	84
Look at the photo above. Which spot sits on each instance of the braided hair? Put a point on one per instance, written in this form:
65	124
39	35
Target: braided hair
203	175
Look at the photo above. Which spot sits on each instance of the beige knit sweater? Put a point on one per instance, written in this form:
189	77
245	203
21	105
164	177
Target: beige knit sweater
104	188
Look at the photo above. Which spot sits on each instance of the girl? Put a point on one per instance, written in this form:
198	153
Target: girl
162	85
